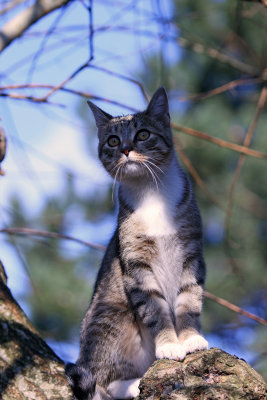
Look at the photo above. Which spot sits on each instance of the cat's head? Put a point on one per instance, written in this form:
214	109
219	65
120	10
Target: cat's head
136	145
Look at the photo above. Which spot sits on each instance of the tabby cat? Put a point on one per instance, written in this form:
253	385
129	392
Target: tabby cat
148	295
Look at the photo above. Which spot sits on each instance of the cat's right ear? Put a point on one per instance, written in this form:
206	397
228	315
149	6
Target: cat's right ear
101	117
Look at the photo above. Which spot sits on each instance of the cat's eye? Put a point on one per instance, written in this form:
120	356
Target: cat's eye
142	135
113	141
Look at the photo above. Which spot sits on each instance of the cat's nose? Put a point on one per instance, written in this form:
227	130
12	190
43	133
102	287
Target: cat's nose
125	149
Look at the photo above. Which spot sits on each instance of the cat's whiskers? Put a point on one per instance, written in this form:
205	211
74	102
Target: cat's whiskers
114	182
155	173
152	173
113	168
154	165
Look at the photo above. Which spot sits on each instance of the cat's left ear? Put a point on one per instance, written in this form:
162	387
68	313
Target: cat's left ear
158	106
101	116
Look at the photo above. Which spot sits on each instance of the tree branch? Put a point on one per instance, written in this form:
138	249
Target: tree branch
246	143
55	235
24	20
29	368
234	308
263	2
219	142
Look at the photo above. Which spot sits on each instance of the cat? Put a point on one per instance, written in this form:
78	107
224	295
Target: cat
148	294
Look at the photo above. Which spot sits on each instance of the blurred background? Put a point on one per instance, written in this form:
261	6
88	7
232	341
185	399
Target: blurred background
211	57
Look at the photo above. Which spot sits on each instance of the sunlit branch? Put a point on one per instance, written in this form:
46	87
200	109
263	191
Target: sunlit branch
22	21
10	5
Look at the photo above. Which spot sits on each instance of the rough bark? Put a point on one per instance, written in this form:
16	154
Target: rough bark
29	369
204	375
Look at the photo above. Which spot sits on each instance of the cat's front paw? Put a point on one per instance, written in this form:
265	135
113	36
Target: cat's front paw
173	351
194	343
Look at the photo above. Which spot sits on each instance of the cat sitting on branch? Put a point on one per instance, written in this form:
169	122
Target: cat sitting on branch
147	299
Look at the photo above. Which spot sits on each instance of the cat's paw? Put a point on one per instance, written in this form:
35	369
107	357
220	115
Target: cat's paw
124	389
194	343
173	351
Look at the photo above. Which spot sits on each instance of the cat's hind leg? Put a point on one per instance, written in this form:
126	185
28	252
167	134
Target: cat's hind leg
124	389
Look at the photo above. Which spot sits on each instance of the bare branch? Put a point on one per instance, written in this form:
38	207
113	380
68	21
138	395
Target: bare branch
222	89
43	99
234	308
218	55
2	148
55	235
10	6
193	172
219	142
246	143
263	2
21	22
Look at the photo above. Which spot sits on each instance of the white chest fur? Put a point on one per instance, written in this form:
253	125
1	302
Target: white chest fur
156	215
156	218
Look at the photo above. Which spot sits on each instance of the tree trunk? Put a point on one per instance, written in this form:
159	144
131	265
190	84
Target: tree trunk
29	369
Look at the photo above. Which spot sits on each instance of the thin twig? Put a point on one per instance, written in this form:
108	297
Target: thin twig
219	56
55	235
221	89
246	143
193	172
219	142
65	81
234	308
87	95
124	77
47	34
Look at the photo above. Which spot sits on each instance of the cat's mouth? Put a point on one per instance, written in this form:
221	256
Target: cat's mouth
131	166
136	165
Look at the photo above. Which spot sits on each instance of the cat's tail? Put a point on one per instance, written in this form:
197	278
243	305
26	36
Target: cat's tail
83	384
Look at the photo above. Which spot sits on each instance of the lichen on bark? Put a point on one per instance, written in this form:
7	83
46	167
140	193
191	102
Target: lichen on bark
204	375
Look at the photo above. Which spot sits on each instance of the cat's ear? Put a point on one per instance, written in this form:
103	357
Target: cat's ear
101	117
158	106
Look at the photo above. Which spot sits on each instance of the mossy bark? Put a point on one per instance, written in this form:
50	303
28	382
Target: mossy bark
204	375
29	369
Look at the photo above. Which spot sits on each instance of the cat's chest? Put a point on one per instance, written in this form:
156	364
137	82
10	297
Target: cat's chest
155	216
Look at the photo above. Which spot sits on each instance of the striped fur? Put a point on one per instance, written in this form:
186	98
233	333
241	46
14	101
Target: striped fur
148	295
